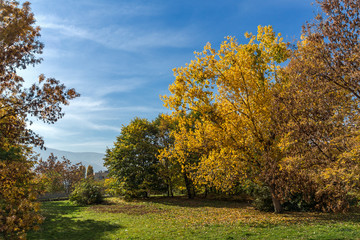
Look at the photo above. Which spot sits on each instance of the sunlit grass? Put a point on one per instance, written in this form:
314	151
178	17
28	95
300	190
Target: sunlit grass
179	218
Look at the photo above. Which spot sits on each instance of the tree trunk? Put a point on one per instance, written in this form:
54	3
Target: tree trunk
275	200
206	192
188	186
171	190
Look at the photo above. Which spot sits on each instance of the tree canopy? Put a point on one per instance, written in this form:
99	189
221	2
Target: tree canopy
133	160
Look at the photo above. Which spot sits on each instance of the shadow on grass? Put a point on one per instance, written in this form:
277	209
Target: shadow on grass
54	208
197	202
58	226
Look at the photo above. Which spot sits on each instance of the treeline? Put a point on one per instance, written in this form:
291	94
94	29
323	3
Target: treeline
55	175
278	120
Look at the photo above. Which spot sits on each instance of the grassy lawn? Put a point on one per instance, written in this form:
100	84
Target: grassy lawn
178	218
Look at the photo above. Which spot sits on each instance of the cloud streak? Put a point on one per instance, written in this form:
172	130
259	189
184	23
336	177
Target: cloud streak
51	131
119	86
120	37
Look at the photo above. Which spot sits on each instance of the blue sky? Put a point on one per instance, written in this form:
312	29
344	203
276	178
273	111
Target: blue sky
119	55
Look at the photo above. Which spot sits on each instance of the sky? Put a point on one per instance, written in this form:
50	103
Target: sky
119	55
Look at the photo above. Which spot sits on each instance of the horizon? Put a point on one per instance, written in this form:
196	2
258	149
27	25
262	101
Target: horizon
61	150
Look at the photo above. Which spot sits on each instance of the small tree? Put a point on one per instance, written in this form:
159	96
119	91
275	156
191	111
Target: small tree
83	171
133	159
90	172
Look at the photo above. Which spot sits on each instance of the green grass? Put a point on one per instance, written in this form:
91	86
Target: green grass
178	218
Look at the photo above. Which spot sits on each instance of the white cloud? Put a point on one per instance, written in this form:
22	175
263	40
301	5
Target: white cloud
121	86
85	104
92	114
129	39
51	131
67	30
89	122
119	37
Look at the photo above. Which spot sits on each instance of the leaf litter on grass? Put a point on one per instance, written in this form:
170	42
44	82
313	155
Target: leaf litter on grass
200	212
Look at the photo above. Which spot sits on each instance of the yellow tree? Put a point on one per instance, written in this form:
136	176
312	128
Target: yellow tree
232	92
19	211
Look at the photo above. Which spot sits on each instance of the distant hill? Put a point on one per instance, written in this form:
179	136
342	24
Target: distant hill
86	158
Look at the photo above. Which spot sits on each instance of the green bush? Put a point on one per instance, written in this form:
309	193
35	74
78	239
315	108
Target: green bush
86	192
297	203
262	199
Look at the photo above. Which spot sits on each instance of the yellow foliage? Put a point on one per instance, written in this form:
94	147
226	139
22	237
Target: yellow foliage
19	211
229	94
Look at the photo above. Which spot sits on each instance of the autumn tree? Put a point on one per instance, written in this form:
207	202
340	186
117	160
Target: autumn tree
321	107
333	42
19	211
133	160
43	100
232	91
90	172
59	176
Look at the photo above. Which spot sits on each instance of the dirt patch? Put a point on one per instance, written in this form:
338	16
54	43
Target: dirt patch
127	209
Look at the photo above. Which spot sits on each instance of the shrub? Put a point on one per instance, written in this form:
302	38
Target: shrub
262	201
86	193
297	203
